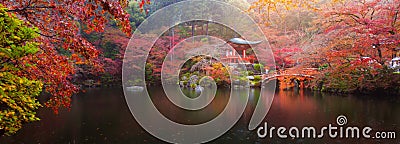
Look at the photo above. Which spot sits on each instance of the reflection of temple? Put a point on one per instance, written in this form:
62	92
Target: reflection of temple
240	46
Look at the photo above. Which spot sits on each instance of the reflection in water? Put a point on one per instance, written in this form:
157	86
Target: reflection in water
102	116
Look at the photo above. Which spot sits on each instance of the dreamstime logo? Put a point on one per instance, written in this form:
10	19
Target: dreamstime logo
341	120
331	131
134	65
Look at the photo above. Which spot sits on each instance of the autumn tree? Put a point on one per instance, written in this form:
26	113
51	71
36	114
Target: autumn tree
61	43
285	24
137	16
17	93
268	9
368	28
355	40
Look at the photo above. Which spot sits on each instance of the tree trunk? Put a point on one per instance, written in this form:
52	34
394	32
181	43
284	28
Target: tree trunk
192	29
380	55
207	28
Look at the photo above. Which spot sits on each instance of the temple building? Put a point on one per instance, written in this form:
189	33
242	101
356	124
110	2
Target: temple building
240	45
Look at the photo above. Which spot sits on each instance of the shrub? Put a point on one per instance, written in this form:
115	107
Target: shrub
250	73
193	85
257	78
258	67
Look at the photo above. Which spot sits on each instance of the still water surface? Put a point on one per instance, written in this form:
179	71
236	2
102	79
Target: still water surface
101	115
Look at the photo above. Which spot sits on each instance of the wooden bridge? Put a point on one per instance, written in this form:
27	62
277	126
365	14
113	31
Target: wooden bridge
291	77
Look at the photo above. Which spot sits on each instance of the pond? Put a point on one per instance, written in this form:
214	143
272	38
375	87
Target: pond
101	115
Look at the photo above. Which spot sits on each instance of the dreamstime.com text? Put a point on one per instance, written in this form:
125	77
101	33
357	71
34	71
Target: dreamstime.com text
332	131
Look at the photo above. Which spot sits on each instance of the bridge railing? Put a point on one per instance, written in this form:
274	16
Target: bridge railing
293	71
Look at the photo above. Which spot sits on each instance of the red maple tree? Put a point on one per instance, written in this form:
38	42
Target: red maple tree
62	46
